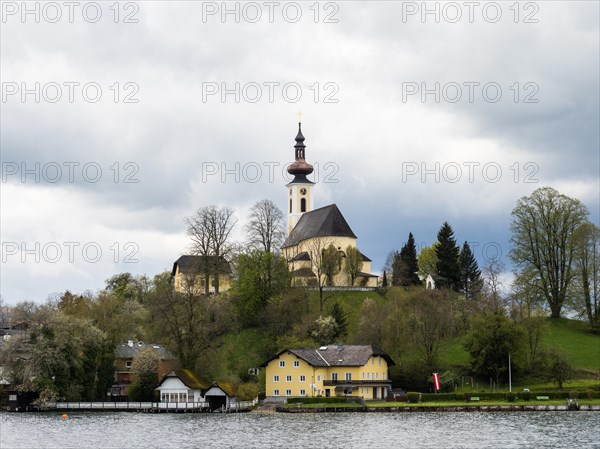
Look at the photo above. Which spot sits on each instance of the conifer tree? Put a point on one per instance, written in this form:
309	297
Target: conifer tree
338	314
448	254
470	274
384	282
408	254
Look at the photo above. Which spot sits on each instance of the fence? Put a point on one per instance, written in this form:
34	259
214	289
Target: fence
167	406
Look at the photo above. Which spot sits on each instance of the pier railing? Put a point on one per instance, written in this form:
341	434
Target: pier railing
167	406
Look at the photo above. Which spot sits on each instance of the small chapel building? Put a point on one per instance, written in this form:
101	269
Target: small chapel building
311	231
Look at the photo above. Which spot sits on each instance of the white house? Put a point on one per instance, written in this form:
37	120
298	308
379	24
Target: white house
183	385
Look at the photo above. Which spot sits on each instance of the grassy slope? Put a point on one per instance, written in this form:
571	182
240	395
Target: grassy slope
570	337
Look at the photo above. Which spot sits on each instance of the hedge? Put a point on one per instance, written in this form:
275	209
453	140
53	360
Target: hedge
318	400
413	397
438	397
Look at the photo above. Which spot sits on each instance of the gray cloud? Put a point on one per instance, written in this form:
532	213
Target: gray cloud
172	137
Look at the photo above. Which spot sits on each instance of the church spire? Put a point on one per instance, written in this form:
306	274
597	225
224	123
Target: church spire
300	168
299	190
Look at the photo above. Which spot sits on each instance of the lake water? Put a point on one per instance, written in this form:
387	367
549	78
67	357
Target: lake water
342	430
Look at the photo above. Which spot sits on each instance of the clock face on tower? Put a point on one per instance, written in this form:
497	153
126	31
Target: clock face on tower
303	191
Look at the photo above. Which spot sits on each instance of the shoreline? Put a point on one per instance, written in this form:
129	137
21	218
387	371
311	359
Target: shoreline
437	408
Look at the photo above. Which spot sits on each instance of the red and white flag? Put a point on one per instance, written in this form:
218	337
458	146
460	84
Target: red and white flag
436	381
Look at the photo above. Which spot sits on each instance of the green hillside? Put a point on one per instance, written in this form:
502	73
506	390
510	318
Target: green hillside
578	344
570	337
249	347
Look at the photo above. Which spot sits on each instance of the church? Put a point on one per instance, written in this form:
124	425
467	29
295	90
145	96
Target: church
310	231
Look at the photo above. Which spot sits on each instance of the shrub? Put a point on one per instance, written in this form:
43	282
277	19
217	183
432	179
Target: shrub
247	391
525	395
573	394
511	396
413	397
589	393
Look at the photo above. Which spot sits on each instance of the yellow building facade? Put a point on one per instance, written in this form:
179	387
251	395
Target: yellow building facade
329	371
189	276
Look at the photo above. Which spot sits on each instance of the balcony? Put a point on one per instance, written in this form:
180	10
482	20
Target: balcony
358	383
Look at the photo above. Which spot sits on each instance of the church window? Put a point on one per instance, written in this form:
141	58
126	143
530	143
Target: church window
303	205
290	205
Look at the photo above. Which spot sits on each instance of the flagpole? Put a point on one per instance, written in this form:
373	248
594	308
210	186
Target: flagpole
509	375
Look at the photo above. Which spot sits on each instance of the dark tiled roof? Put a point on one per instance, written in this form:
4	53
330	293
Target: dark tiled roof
195	264
326	221
188	377
124	351
302	256
337	355
365	258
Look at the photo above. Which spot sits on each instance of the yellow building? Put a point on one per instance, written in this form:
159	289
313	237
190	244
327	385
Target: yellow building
329	371
195	275
311	231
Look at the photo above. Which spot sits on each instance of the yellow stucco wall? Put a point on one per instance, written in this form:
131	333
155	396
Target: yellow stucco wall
289	382
311	245
197	281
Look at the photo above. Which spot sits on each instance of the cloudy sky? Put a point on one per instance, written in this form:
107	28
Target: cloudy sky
119	121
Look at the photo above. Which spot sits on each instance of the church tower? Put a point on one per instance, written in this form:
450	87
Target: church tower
299	190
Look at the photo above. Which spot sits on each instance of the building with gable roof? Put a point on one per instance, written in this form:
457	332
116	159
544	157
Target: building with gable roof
184	385
195	274
311	231
125	352
329	371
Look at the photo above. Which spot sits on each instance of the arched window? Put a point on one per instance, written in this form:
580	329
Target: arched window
303	205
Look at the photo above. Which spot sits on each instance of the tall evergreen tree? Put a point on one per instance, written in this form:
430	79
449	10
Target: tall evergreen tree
448	254
405	264
384	282
338	314
408	254
470	274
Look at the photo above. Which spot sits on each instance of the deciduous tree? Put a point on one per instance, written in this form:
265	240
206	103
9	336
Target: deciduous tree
428	260
210	229
542	228
587	269
144	370
261	276
491	339
265	229
353	263
430	322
